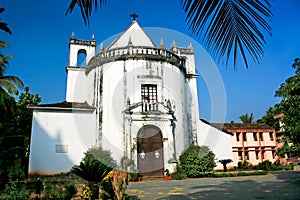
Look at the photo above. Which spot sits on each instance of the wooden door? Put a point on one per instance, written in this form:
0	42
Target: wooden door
150	151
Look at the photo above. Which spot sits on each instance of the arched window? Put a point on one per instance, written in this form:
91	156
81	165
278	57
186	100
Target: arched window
81	58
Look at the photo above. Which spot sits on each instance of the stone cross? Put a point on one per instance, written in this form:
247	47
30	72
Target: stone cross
134	16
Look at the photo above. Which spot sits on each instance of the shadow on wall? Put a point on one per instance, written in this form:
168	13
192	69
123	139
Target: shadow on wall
48	155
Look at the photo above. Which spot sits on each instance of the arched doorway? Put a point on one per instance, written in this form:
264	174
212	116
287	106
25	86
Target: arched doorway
150	158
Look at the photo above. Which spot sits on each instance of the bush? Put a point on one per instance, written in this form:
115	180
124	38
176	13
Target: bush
178	174
265	165
114	185
134	176
14	191
244	165
232	174
94	167
196	160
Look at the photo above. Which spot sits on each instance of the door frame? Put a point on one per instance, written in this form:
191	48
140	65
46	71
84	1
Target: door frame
155	145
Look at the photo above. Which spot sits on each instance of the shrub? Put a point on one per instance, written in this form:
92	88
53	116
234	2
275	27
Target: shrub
114	185
55	192
196	160
178	174
71	191
134	176
242	165
14	191
94	167
265	165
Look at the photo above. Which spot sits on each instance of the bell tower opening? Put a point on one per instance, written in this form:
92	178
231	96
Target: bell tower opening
81	58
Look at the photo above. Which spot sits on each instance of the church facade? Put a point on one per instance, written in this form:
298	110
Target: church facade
134	98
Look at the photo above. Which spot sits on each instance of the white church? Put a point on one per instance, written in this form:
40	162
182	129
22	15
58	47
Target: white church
134	98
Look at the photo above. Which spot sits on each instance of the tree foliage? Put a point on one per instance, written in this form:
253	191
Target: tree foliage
15	134
268	118
94	167
289	91
3	25
196	160
230	27
8	84
224	162
247	118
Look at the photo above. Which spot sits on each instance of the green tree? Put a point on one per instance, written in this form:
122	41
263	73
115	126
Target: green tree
268	118
247	118
94	167
196	160
8	84
15	135
289	91
227	27
224	162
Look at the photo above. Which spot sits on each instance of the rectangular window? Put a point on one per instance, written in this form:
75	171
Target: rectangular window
237	137
149	97
261	136
149	93
255	136
271	136
245	136
257	154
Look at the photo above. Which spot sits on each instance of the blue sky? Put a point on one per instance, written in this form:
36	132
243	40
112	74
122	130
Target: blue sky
41	33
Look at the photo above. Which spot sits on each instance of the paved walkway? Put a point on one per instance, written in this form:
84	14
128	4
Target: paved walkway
277	185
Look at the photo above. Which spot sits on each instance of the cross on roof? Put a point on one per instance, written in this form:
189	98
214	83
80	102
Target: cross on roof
134	16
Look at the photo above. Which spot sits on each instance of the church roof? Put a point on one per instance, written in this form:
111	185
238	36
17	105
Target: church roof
236	127
135	35
64	105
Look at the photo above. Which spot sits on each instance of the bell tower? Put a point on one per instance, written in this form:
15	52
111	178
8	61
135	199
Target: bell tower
81	51
87	48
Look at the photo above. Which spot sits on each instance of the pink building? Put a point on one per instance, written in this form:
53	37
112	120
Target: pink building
251	142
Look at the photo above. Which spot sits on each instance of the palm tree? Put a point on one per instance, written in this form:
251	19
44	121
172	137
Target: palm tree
8	86
227	26
94	167
247	118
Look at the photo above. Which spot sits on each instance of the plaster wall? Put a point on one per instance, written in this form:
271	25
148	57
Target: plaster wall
219	142
59	139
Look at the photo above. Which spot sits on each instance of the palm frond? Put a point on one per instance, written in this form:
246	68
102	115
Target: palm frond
15	80
7	105
9	83
86	8
230	26
4	26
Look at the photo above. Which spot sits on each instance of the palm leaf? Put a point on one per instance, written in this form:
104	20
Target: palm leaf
227	26
7	105
86	8
4	26
230	26
9	83
15	80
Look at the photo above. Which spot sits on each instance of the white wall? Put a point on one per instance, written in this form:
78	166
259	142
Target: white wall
77	87
219	142
75	130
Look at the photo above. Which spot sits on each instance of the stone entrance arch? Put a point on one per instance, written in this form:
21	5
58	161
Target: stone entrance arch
150	160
